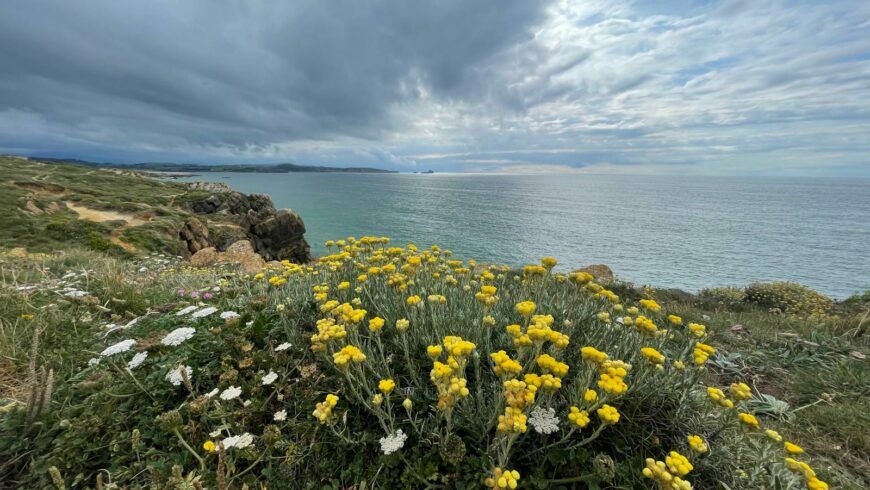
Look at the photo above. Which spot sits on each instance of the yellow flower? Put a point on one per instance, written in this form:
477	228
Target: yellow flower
488	320
343	285
376	324
208	446
347	354
792	448
504	365
697	444
675	320
718	397
578	417
740	391
26	316
679	365
386	386
377	400
549	262
697	329
525	308
773	435
593	355
702	352
650	305
748	419
323	410
402	324
590	396
608	414
513	421
408	404
678	464
413	300
814	483
549	364
653	355
502	479
362	278
433	351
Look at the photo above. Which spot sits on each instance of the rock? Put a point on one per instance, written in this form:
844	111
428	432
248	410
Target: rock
275	234
209	186
601	272
194	236
32	208
240	254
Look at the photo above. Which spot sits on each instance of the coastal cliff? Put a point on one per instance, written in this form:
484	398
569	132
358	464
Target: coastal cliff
49	205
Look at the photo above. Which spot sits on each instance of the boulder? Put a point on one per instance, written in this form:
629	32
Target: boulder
601	272
32	208
239	254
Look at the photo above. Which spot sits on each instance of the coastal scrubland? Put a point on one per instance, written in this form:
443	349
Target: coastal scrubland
401	367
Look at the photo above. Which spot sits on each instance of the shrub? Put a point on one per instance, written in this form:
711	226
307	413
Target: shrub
458	375
788	297
725	297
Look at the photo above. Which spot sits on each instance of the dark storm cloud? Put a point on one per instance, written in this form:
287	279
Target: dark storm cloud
243	73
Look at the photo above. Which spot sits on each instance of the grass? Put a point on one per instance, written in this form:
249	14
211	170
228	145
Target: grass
808	375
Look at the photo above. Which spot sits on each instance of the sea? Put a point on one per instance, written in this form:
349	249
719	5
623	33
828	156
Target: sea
685	232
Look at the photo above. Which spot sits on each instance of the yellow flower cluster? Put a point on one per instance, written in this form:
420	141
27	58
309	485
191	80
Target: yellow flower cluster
525	308
608	414
448	378
653	355
402	324
718	397
386	386
650	305
518	394
512	422
645	326
503	479
327	331
376	324
504	365
486	295
702	352
812	481
323	410
697	444
593	355
578	417
550	365
675	320
669	473
544	382
540	331
740	391
348	354
748	419
697	330
613	375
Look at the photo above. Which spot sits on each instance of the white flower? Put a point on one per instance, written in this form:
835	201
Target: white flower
393	443
247	403
93	361
280	307
143	269
75	293
122	346
544	420
174	375
214	433
216	289
137	360
229	314
280	416
212	393
249	324
131	323
270	378
204	312
620	321
178	336
239	442
185	311
284	346
231	392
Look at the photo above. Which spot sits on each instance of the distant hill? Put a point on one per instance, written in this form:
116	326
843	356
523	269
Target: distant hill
202	168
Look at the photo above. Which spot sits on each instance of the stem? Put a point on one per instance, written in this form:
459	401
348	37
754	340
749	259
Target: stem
190	449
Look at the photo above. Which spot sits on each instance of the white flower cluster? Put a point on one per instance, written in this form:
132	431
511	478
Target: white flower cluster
122	346
280	416
284	346
204	312
137	360
544	420
178	336
393	443
174	375
238	442
185	311
227	315
231	393
270	378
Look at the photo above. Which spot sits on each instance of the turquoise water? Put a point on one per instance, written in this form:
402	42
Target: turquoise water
679	232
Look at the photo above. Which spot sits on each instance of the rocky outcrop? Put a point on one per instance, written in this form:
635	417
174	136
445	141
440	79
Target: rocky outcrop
276	234
194	236
240	254
601	272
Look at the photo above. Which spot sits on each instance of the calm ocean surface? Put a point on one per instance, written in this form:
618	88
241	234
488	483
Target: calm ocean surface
679	232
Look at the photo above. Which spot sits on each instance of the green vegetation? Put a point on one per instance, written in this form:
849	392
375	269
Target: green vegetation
106	424
47	207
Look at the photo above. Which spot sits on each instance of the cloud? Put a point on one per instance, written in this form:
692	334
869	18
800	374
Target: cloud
606	84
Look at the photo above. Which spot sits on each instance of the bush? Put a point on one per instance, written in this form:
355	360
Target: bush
459	376
723	297
788	297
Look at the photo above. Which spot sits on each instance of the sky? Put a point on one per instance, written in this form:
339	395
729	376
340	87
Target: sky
736	87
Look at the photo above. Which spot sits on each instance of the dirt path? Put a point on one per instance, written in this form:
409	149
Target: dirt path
100	216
